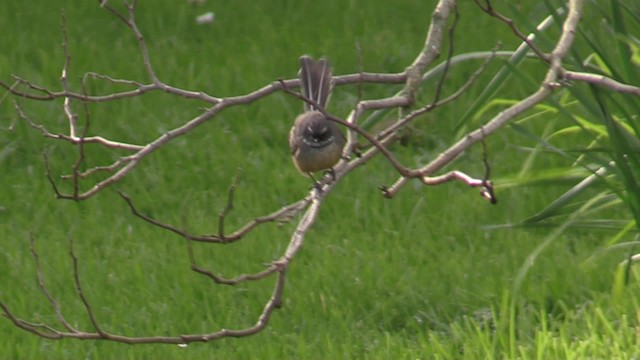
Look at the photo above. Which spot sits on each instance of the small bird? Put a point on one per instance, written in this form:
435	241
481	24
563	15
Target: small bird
316	142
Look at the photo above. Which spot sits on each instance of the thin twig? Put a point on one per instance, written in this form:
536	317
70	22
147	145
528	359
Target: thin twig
227	209
48	332
549	84
488	8
447	63
602	80
311	204
219	279
281	215
43	286
80	292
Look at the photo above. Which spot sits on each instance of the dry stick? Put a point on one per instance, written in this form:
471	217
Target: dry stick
131	23
376	78
33	328
406	97
140	90
25	118
43	286
80	292
81	155
97	140
351	144
447	63
227	209
387	136
219	279
106	168
487	186
437	180
439	86
6	94
30	86
549	83
392	102
283	214
95	75
124	165
47	168
453	175
76	166
602	80
489	10
133	160
274	302
65	84
75	140
389	131
431	48
249	226
297	239
71	116
413	73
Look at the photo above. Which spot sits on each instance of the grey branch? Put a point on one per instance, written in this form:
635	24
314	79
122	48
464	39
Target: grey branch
306	209
602	80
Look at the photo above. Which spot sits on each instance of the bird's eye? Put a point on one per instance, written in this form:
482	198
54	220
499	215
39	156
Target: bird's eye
309	131
318	134
323	133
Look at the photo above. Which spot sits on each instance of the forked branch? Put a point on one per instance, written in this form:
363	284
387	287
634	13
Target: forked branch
305	210
50	332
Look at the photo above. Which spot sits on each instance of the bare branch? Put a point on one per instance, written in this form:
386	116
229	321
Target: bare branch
75	140
488	8
124	165
227	209
132	160
80	292
73	120
549	83
389	131
432	46
43	286
602	80
52	182
196	95
49	332
445	71
219	279
310	205
283	214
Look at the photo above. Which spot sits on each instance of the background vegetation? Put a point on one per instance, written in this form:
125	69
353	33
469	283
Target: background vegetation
425	275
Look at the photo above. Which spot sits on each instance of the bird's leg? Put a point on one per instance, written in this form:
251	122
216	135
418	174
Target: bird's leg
316	184
356	150
332	173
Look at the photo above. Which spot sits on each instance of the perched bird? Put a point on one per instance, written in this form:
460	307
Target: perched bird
316	142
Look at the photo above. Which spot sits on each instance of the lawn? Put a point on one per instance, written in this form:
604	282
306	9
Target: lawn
423	275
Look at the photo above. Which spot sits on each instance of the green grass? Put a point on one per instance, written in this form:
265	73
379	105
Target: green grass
418	276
